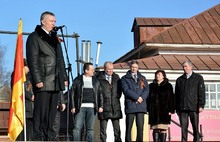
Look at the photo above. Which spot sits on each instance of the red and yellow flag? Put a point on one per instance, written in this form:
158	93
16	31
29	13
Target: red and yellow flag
16	115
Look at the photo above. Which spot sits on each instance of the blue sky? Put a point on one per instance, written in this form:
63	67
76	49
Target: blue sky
96	20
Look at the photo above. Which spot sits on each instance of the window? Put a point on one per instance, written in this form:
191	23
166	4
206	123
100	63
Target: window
212	95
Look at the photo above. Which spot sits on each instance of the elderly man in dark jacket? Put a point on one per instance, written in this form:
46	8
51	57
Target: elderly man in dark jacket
47	68
136	90
190	100
111	91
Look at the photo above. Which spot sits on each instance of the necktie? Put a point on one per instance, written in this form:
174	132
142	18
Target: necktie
109	79
135	77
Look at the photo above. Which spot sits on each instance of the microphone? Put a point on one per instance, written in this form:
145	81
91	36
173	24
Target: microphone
56	28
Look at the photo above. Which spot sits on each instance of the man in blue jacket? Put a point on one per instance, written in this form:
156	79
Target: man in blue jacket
136	90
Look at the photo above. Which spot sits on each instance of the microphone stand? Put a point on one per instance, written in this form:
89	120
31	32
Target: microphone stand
69	68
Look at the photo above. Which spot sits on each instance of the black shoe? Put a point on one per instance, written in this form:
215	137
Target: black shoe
156	136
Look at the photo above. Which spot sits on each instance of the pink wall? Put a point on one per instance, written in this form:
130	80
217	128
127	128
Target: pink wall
210	121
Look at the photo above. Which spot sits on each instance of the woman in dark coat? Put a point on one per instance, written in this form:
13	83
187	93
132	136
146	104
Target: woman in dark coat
161	105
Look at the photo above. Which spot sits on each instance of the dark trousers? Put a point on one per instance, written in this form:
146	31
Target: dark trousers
45	107
139	123
29	129
184	122
116	127
56	126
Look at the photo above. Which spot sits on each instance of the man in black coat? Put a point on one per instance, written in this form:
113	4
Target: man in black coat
47	68
190	100
86	101
111	91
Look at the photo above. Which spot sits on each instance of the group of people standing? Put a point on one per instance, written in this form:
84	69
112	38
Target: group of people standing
157	98
98	93
188	100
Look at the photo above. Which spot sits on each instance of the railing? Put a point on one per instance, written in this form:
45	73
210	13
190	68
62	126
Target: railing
4	114
200	134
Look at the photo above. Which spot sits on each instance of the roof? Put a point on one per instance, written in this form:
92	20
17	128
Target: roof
173	62
200	29
149	22
196	38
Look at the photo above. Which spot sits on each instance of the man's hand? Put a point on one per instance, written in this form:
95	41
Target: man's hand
66	83
40	85
100	109
63	107
73	110
32	98
200	109
139	100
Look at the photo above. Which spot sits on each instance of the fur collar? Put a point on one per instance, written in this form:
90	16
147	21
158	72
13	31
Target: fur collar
51	40
164	82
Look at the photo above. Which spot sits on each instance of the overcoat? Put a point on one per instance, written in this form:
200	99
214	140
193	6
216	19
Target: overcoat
111	97
160	102
45	60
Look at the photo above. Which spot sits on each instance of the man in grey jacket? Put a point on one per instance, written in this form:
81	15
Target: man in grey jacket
47	68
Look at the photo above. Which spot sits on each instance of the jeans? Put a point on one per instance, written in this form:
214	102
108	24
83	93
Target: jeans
139	123
184	122
85	116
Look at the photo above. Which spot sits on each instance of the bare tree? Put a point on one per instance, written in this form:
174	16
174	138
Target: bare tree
5	78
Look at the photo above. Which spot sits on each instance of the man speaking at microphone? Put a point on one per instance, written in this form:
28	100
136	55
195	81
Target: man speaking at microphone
45	60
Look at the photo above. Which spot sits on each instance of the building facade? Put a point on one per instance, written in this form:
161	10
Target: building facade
164	43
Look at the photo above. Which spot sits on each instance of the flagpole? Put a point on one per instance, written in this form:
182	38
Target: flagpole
25	134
